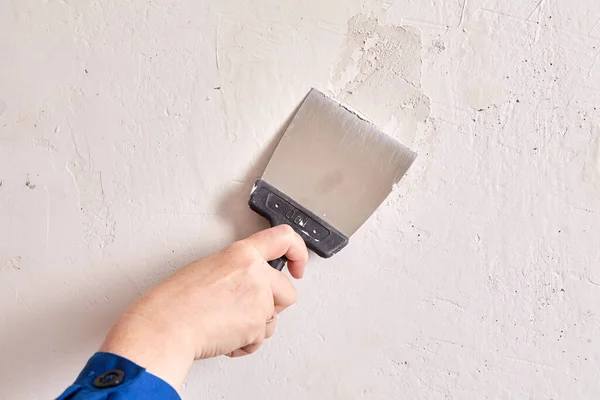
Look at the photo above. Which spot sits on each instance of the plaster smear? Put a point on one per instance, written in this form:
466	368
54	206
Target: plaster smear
98	222
379	73
12	263
483	95
591	171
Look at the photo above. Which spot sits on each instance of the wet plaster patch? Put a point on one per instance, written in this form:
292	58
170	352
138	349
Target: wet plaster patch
379	73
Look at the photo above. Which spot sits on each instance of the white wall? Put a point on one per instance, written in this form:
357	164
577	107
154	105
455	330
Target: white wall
131	132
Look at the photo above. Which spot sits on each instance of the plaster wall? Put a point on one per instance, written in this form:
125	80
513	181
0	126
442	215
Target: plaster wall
131	133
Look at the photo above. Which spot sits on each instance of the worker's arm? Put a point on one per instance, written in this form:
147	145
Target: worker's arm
225	304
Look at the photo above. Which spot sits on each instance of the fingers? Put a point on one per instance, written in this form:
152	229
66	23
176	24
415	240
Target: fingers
270	329
245	351
252	348
278	241
272	244
284	293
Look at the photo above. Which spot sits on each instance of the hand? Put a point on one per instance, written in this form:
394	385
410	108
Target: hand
216	306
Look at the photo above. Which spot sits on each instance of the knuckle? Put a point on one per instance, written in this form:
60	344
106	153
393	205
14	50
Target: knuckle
287	230
245	255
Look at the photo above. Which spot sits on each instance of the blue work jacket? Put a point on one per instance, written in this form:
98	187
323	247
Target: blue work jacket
107	376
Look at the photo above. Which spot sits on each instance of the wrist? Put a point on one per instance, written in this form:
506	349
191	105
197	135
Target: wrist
159	346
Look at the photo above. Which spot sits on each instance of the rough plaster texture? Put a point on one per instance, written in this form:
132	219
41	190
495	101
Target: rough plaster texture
131	132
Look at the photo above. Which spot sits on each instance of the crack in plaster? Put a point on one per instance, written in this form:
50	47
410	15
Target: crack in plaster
591	171
97	220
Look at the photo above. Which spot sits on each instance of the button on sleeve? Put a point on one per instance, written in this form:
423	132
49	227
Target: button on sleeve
111	377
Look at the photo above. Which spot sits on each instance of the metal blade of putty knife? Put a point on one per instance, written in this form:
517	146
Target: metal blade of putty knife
329	173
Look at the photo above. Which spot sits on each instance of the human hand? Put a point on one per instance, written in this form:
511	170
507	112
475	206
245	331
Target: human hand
219	305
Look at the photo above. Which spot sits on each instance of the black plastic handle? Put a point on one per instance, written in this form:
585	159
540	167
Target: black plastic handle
279	263
279	209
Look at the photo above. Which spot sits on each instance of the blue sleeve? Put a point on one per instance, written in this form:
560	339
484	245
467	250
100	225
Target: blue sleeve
110	377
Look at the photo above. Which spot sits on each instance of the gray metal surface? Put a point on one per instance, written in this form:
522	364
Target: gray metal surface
336	164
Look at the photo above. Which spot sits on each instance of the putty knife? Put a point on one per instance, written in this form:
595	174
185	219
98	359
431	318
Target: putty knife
329	173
